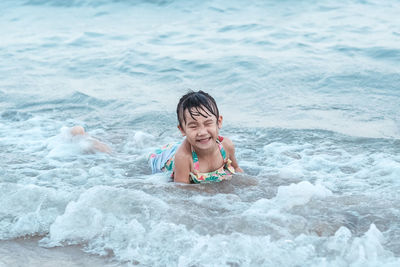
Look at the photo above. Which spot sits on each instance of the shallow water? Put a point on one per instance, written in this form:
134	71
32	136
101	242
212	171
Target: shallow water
310	95
26	252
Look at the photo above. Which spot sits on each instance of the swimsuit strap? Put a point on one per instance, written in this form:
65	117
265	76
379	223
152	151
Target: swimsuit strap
196	158
222	150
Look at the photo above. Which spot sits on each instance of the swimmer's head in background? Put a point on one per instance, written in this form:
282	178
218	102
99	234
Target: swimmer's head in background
197	104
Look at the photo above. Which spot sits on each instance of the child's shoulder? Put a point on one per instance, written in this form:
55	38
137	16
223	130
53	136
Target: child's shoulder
226	142
228	145
184	151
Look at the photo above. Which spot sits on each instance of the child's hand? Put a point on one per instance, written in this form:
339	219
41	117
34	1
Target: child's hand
238	169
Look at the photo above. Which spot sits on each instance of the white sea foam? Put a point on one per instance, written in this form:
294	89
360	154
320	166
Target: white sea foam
93	213
29	209
366	250
65	144
288	197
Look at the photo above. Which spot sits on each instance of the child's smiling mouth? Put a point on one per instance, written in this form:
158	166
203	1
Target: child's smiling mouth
204	140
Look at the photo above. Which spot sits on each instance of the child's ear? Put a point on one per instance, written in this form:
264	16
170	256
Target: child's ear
219	122
181	130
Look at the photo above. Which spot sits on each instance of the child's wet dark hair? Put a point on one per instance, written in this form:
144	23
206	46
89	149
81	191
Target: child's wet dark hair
197	103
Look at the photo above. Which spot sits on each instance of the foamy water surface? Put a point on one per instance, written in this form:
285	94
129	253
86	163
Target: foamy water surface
309	91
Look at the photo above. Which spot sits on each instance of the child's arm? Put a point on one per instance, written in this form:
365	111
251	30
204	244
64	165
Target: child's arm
182	168
230	148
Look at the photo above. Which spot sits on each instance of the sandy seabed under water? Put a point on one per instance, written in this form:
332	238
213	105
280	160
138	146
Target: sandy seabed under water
23	252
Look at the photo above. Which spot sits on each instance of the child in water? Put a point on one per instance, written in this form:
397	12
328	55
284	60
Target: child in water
203	156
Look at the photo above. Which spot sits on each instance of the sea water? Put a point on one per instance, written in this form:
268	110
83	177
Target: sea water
309	91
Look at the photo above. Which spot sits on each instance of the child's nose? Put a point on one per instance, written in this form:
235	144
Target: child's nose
202	130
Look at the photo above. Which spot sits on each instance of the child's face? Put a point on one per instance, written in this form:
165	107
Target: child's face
201	132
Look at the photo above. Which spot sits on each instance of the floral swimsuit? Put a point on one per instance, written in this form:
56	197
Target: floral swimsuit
163	160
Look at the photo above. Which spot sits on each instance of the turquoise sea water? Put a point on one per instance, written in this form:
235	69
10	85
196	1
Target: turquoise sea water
309	91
